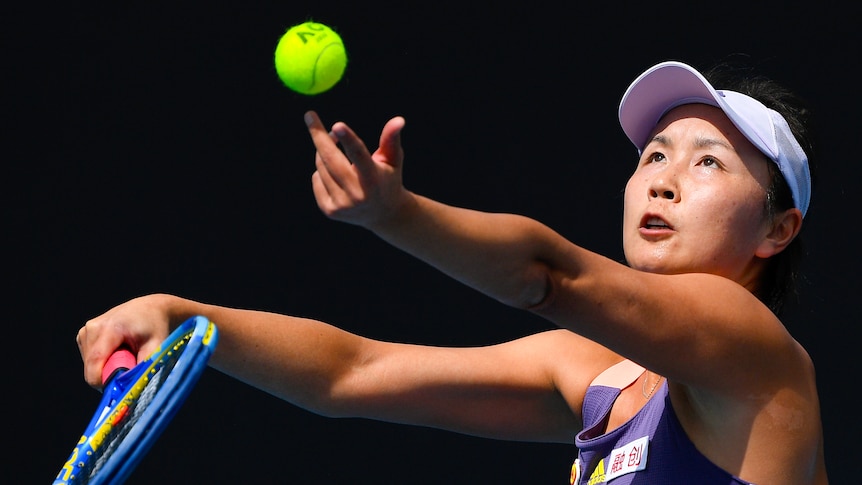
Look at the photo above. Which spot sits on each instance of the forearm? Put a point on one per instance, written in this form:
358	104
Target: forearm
502	255
296	359
505	256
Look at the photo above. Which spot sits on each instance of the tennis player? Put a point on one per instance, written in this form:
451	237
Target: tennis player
673	368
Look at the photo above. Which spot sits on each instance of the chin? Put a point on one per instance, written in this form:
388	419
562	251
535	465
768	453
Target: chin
653	260
651	268
657	265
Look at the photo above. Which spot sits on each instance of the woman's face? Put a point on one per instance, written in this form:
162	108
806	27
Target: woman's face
696	202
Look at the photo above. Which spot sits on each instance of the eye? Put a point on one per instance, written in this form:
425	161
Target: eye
654	157
710	162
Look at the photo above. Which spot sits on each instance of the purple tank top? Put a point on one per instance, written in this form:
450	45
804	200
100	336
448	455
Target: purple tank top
651	448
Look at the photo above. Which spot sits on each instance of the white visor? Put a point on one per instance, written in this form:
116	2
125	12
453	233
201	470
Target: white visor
671	84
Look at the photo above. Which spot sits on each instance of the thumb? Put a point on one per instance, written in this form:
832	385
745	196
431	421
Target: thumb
390	150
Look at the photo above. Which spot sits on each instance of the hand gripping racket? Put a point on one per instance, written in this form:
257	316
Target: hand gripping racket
138	403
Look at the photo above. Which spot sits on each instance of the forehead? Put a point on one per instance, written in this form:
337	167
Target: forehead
706	120
689	125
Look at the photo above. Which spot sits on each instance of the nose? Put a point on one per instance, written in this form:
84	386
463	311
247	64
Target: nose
664	187
667	194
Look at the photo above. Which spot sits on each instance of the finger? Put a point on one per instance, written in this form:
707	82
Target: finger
319	133
94	353
321	194
391	151
355	149
329	154
325	189
324	141
97	340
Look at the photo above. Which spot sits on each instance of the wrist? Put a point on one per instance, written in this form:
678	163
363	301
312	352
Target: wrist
396	215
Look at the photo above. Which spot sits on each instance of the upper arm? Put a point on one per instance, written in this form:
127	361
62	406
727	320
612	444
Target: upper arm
701	330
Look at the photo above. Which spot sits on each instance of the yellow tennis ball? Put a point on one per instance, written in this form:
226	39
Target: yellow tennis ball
310	58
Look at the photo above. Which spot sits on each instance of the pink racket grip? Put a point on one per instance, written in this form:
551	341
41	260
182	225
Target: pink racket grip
120	361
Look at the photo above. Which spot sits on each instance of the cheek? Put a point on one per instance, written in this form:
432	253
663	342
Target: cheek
629	195
630	208
738	213
747	200
753	217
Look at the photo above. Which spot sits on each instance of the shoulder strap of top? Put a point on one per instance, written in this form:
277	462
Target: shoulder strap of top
620	375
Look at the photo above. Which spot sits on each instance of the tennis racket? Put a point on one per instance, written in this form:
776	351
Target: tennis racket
138	403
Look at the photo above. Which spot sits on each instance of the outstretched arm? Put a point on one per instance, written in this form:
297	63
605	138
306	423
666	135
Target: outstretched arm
500	255
525	264
514	390
517	390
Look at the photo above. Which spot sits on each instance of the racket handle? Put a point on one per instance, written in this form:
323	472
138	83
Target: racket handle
120	361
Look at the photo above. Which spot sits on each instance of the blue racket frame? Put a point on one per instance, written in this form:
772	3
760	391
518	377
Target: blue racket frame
198	337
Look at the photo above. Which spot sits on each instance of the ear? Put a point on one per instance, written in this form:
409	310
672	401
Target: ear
784	229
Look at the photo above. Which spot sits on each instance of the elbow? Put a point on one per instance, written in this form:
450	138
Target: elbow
536	290
543	298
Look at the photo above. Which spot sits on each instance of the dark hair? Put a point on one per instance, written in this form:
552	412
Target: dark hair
782	273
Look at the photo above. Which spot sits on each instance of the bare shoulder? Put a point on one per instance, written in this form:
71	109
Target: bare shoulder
570	360
570	353
739	431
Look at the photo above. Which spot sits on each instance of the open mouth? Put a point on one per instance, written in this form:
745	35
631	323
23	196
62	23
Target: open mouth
654	222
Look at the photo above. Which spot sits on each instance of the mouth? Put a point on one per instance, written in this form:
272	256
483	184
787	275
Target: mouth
652	222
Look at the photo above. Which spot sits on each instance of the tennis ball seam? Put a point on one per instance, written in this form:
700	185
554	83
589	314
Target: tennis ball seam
317	61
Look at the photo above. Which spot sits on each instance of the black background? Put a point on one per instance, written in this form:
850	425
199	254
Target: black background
151	147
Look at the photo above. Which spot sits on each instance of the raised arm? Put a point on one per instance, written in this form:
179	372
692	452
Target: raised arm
525	264
500	255
517	390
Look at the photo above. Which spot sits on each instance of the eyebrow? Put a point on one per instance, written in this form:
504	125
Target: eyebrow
699	142
660	139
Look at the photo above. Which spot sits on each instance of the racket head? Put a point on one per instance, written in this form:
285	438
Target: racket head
137	405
